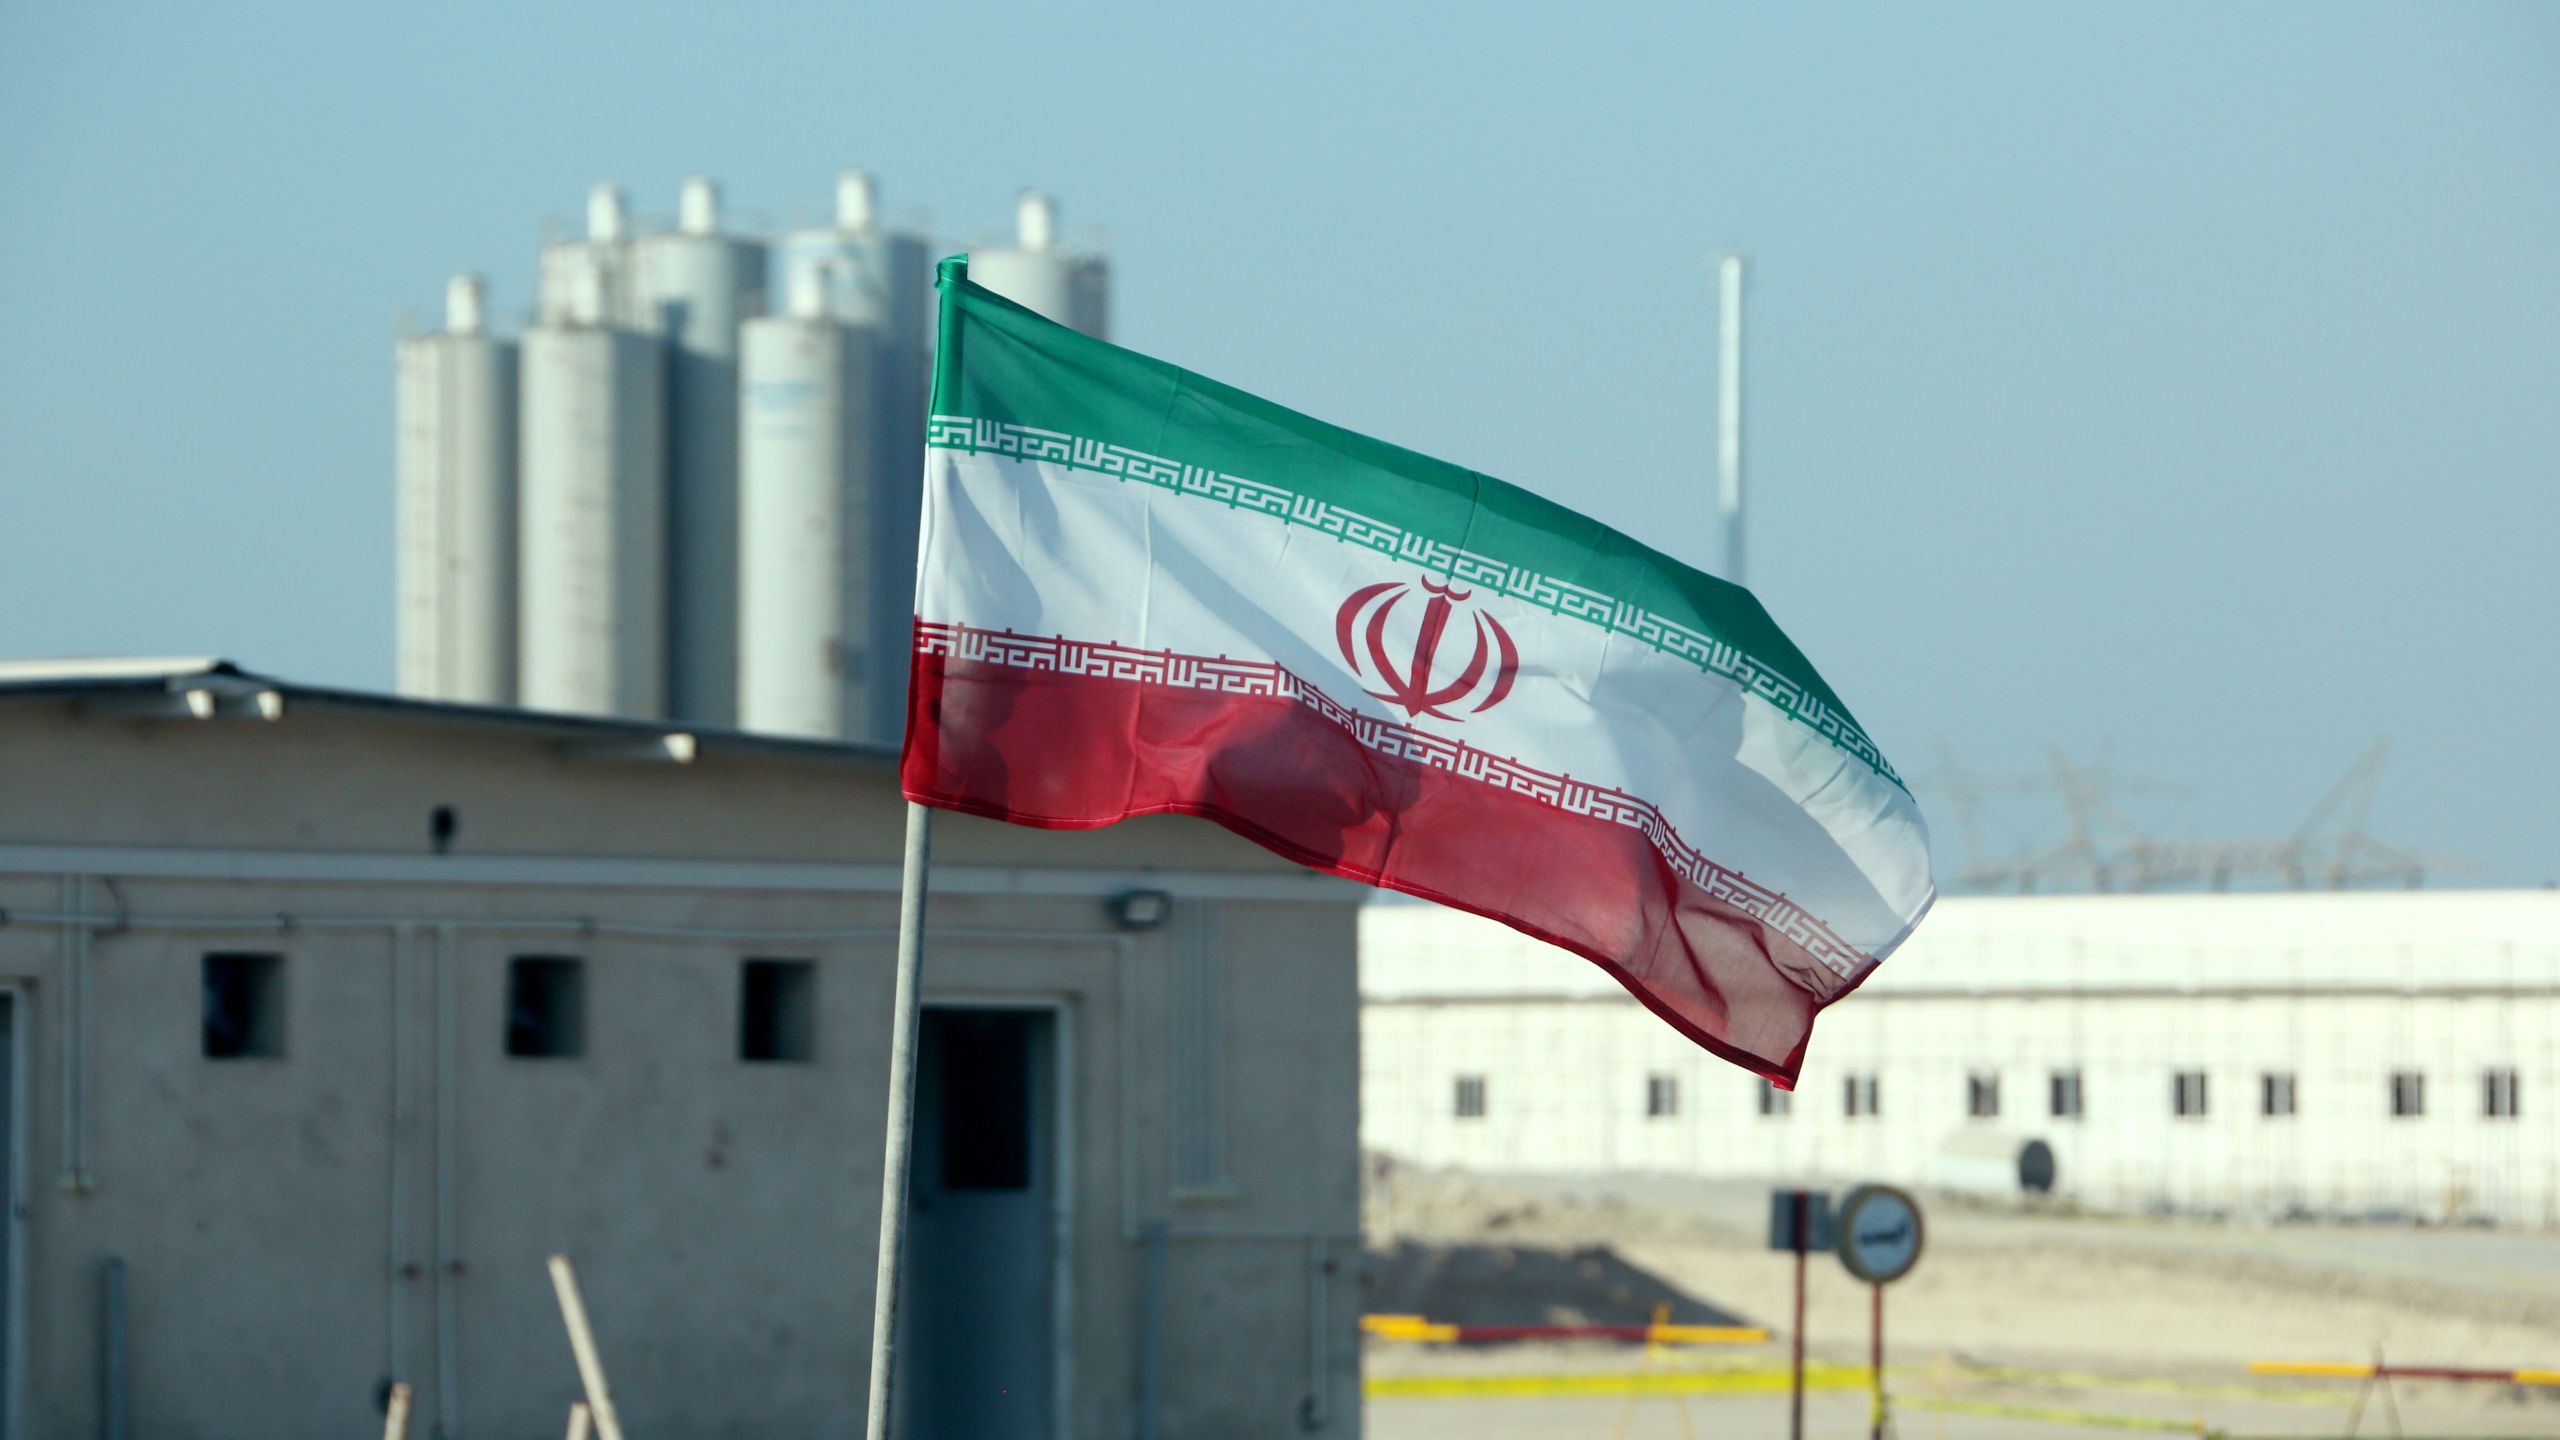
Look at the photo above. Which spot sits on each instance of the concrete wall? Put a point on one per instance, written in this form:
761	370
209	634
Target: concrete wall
378	1200
2339	992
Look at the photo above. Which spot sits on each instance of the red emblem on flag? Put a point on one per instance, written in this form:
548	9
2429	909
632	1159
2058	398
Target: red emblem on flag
1425	683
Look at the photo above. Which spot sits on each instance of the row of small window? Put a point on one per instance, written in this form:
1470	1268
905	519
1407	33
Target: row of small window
546	1013
2500	1095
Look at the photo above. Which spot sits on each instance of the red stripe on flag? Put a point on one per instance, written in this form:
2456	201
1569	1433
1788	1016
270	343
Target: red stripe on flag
1075	752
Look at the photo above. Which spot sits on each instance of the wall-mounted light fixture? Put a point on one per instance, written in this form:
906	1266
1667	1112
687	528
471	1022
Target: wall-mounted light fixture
1141	909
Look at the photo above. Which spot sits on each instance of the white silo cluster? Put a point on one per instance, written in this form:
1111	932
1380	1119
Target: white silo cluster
1037	273
675	505
592	606
456	457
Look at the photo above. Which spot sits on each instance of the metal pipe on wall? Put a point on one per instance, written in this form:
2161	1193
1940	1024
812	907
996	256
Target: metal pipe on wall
1151	1337
403	943
448	1263
115	1391
75	951
16	1151
1319	1377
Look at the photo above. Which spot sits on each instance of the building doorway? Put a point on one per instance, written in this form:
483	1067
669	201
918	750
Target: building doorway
978	1349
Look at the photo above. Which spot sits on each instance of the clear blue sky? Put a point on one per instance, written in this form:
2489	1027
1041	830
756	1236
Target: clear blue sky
2186	376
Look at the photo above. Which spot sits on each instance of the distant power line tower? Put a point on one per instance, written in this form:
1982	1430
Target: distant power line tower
2329	850
2103	849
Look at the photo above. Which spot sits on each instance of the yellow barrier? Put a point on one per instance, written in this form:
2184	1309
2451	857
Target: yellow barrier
1407	1327
1747	1378
2326	1369
1706	1335
1421	1329
1611	1383
1735	1382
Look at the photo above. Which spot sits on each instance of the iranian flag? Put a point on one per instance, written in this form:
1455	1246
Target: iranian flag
1142	591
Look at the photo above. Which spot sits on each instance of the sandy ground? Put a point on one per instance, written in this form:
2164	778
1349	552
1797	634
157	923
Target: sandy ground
2155	1320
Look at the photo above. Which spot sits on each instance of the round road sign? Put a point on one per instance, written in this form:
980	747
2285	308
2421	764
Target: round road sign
1880	1233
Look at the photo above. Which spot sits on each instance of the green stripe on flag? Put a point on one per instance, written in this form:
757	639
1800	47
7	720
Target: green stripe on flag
1025	385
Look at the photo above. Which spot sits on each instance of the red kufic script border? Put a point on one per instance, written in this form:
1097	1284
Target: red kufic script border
1056	750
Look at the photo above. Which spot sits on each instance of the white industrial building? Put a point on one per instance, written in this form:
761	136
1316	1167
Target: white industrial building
685	492
2358	1054
325	1017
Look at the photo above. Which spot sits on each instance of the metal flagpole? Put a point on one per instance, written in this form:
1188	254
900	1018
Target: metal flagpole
895	1150
896	1145
1729	412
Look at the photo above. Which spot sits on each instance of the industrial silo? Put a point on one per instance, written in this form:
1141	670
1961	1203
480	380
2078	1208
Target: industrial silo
696	285
1072	289
822	637
455	562
592	528
592	276
869	275
878	282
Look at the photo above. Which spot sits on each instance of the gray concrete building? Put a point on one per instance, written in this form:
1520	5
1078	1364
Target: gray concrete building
325	1017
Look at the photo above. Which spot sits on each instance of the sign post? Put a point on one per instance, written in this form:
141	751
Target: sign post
1800	1221
1880	1237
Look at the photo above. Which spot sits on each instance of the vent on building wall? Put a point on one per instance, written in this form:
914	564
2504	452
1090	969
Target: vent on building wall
243	1006
778	1011
546	1007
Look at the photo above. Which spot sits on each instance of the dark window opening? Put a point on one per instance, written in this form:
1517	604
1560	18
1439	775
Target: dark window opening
546	1007
243	1006
1661	1096
2187	1094
2408	1094
1982	1095
986	1099
1859	1100
1774	1101
2500	1098
1470	1098
778	1010
2065	1099
2275	1094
